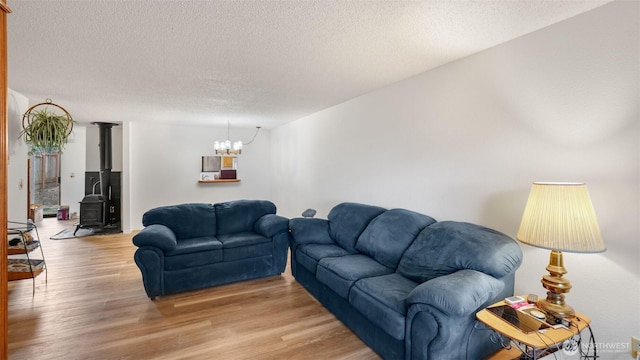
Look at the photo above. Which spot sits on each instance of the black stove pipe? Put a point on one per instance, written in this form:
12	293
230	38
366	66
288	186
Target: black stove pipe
105	158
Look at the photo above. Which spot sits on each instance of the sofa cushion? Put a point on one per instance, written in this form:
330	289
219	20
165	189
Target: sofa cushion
241	215
382	299
390	234
192	245
194	252
309	255
340	273
247	252
185	220
348	220
192	260
449	246
245	245
310	231
241	239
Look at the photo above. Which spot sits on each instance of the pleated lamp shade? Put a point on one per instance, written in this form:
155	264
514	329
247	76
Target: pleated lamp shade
560	216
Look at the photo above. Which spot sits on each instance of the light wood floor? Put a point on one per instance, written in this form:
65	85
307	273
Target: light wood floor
93	306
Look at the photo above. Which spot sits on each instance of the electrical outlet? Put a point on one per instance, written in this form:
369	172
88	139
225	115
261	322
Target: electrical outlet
635	346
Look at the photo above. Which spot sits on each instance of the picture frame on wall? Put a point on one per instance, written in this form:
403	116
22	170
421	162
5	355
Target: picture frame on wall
208	176
229	163
210	164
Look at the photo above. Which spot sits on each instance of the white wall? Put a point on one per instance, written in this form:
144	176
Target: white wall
18	155
164	163
465	141
72	168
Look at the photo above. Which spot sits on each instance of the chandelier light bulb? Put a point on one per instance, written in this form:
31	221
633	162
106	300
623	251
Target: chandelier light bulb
227	147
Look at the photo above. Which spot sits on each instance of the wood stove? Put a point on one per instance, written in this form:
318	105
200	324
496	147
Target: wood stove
94	207
91	212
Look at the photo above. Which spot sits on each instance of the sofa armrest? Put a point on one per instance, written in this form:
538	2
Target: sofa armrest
310	231
270	225
158	236
460	293
441	316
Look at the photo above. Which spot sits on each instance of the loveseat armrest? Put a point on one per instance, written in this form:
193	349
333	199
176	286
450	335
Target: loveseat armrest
310	231
158	236
270	225
460	293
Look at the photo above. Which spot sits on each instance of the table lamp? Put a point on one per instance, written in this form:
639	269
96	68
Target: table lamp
559	217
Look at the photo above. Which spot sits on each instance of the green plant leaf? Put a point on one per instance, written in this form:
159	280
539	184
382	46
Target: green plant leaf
46	131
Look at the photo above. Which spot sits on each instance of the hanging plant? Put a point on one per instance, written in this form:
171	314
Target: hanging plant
44	130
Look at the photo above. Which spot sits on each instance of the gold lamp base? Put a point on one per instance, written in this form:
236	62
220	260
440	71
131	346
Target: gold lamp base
555	306
557	286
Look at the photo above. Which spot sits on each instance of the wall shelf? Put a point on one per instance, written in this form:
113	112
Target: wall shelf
218	181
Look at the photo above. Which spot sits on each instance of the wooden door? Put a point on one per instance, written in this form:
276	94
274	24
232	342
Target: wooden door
4	153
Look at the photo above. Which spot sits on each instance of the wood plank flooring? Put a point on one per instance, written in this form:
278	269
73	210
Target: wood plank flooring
93	306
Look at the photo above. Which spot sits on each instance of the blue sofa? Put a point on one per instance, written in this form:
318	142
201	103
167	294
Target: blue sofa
407	285
193	246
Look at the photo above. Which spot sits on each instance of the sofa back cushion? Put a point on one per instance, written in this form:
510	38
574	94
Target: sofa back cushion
240	215
390	234
185	220
310	231
348	220
446	247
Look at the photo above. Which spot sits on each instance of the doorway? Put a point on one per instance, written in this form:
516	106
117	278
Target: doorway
44	182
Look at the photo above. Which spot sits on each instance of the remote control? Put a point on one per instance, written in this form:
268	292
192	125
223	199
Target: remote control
513	300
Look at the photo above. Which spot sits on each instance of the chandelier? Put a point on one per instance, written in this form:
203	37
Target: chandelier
226	147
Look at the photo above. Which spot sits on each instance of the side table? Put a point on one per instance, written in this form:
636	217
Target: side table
22	242
537	344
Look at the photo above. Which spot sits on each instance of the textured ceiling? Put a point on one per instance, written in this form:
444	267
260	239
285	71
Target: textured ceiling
250	62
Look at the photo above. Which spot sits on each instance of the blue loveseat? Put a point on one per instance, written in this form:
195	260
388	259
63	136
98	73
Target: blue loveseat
193	246
407	285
